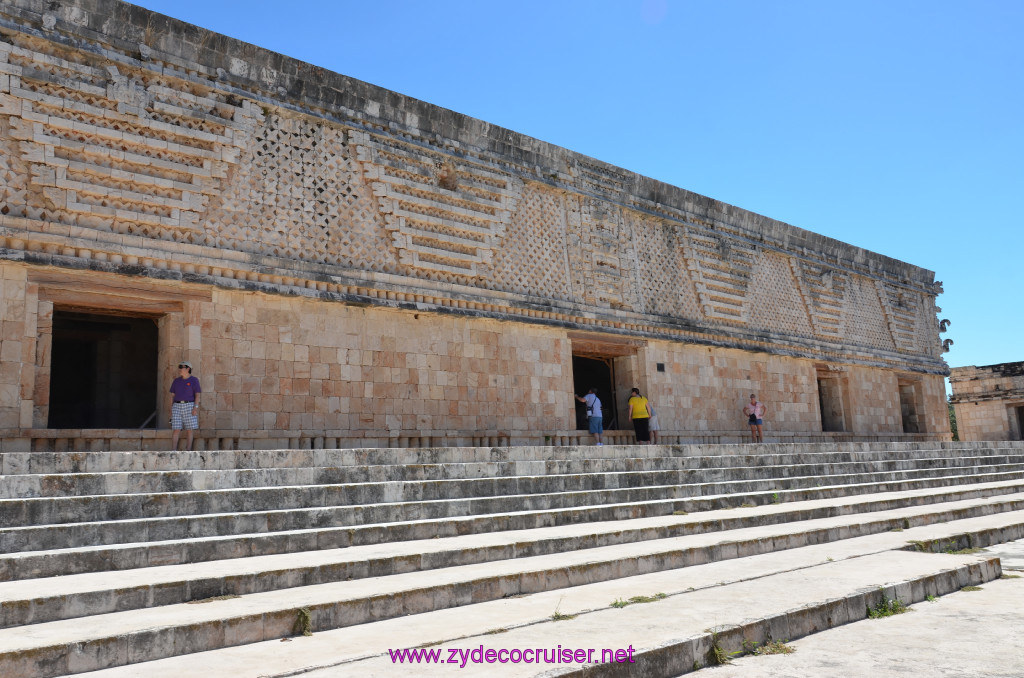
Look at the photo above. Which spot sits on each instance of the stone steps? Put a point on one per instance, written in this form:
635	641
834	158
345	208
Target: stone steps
34	485
600	505
134	636
97	558
111	559
712	595
67	597
436	498
17	463
719	594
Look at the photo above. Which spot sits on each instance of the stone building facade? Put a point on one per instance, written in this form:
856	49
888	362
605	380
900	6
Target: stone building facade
348	266
989	401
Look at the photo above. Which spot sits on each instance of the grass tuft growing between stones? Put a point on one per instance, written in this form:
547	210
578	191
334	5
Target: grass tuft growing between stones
774	647
938	546
887	608
303	622
558	616
620	603
1009	576
717	656
972	588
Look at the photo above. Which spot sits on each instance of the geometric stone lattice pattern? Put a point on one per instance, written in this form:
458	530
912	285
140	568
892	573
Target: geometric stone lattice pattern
600	254
865	320
533	258
776	303
823	290
665	280
297	194
721	267
445	213
900	307
118	147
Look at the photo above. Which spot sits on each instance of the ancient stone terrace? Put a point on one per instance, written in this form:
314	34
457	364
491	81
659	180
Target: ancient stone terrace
131	563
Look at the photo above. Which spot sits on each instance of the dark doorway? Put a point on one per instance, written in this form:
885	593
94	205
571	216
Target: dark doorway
909	409
103	371
1020	423
830	403
597	373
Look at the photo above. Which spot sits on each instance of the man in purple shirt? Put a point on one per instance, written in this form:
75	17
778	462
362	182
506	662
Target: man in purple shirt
184	404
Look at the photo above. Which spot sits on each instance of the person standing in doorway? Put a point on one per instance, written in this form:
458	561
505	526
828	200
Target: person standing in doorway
755	410
640	415
595	417
184	404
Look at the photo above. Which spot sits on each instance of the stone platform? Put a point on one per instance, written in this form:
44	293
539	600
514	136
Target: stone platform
131	563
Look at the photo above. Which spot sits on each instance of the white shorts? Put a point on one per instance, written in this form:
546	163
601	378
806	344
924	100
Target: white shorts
652	424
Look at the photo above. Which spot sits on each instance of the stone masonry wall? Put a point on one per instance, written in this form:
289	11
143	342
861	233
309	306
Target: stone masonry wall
705	389
286	366
280	364
124	145
988	400
261	208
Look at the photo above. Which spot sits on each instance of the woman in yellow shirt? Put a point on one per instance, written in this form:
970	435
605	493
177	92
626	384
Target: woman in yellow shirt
640	414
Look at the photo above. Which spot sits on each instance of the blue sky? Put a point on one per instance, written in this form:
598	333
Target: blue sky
897	126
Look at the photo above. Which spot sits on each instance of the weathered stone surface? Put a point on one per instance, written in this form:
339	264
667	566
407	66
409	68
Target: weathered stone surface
344	262
989	401
118	594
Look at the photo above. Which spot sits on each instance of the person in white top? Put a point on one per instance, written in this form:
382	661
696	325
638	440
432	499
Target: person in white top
595	418
755	410
652	424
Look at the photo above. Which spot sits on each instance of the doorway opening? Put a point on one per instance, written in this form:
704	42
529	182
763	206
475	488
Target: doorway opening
832	398
1020	422
609	364
103	371
909	407
594	372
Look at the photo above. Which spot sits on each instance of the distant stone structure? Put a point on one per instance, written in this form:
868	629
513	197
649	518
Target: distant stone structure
989	401
344	265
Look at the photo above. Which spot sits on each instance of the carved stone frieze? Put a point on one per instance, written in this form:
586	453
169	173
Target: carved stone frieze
901	307
601	257
444	213
112	144
721	267
823	291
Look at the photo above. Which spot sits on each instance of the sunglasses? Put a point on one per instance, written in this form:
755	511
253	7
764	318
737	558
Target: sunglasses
182	366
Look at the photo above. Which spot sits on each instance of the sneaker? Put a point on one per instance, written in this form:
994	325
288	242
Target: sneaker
599	444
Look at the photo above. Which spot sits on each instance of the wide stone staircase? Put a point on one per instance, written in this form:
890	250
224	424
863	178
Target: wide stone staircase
345	562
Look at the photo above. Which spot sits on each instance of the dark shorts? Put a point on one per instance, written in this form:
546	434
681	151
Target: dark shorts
643	432
596	424
756	422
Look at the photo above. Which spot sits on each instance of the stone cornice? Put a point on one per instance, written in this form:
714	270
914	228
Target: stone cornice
66	247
